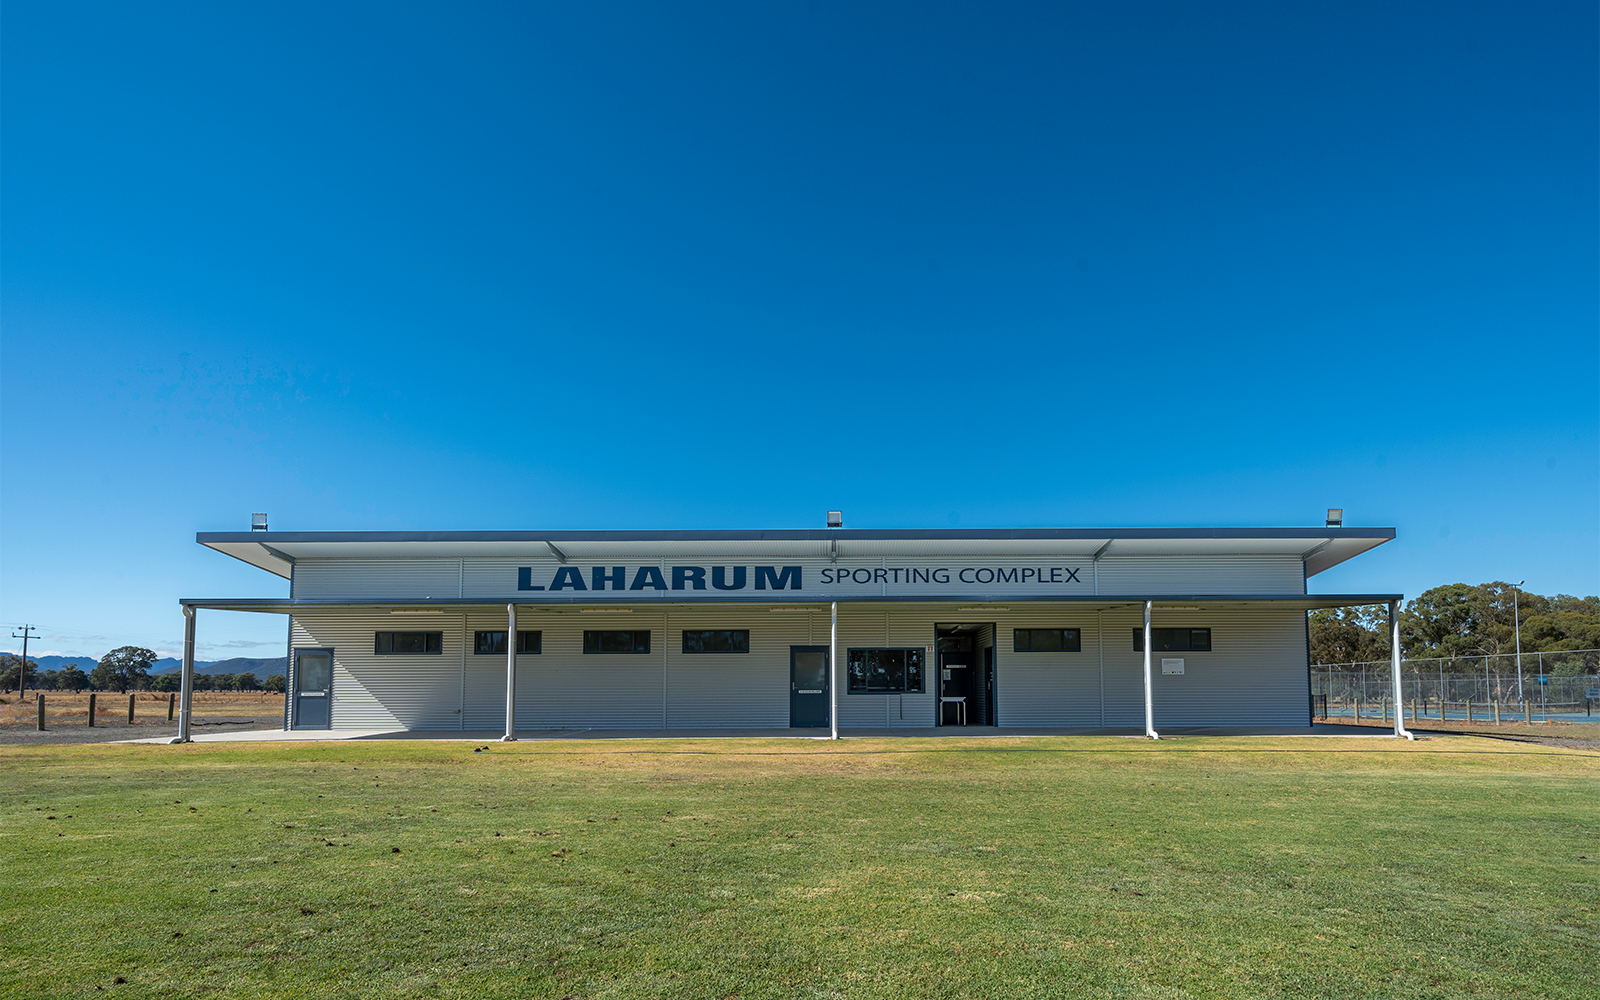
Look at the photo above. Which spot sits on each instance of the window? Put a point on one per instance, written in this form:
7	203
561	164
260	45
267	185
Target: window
485	643
1047	640
408	642
1173	640
616	642
716	640
873	671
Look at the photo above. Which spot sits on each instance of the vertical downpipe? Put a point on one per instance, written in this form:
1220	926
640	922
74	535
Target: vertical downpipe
833	675
511	675
1149	704
1394	672
186	681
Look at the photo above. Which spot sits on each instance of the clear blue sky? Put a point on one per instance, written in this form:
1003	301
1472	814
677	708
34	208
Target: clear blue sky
601	265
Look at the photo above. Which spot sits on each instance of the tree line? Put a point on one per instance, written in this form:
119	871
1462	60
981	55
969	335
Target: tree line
124	669
1461	619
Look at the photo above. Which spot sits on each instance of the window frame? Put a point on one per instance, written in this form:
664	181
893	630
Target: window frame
1076	635
433	637
1189	632
597	632
525	638
713	631
905	688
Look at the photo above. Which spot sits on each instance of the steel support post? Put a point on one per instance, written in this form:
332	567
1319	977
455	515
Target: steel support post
1394	671
1149	702
833	675
511	675
186	680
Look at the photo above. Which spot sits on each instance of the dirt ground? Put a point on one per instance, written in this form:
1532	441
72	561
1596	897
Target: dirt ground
67	715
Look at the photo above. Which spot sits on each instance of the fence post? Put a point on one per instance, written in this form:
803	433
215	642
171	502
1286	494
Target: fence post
1358	708
91	708
1495	702
40	699
172	699
1469	709
131	696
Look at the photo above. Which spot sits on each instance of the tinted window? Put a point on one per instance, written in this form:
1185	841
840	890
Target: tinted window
484	643
870	671
1173	640
1047	640
407	642
616	642
720	640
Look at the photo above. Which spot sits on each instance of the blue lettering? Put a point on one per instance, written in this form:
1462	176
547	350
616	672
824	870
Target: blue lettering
962	575
827	576
1055	574
720	581
648	576
856	575
919	576
1072	577
691	576
618	577
790	575
568	578
1007	576
978	575
525	579
880	576
1026	573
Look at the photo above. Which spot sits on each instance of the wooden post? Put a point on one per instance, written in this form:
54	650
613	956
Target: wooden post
172	701
1469	709
91	708
40	699
1358	708
1525	716
131	696
1494	704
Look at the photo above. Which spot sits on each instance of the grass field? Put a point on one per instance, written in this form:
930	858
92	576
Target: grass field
64	708
1452	867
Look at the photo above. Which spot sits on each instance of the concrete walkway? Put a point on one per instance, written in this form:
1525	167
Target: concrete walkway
964	732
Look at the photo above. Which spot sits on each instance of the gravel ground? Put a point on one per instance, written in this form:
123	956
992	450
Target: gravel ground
109	732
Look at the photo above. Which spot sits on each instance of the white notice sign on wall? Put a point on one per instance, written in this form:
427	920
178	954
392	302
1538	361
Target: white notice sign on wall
1172	666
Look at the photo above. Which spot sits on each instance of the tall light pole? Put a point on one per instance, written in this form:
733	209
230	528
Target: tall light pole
1516	619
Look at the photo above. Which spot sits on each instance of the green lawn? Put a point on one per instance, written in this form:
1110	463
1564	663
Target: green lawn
783	868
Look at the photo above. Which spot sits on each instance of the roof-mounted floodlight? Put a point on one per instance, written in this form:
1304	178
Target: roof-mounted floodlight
1335	517
835	518
258	522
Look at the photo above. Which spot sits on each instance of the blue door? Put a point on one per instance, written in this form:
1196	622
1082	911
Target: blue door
808	686
313	689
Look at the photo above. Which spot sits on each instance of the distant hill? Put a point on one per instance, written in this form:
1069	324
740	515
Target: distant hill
167	664
238	665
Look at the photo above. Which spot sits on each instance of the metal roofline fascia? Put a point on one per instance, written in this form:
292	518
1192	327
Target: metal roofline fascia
284	606
791	535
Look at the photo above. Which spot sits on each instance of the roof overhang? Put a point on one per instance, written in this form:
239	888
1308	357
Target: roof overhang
1304	602
277	551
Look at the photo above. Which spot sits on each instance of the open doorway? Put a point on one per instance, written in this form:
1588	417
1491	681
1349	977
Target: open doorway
965	674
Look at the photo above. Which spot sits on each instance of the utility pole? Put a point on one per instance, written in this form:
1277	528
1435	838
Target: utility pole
1516	618
22	670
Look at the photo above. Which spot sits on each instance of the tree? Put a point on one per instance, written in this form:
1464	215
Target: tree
204	682
1442	622
1350	635
223	682
11	672
46	681
124	667
276	683
70	678
246	682
166	683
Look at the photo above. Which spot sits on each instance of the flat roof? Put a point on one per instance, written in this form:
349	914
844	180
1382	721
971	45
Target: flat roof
277	551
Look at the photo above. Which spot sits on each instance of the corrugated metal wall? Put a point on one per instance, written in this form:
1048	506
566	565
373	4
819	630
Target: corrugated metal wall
1254	674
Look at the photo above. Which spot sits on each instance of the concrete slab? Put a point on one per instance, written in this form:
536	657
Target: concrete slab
942	732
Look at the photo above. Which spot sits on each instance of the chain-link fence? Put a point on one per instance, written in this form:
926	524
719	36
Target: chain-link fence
1550	687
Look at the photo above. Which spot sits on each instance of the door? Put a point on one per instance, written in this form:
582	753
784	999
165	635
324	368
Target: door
808	686
313	689
989	712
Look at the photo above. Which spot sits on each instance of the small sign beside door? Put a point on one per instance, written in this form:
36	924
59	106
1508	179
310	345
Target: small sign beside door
1173	666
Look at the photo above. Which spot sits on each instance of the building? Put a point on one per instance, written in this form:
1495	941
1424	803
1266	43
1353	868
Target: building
1058	629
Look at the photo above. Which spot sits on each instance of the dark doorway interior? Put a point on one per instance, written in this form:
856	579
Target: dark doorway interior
965	675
